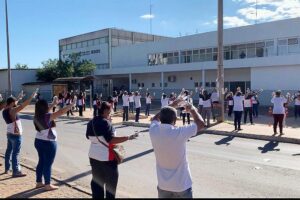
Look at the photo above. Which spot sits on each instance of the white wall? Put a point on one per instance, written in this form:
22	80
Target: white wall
136	55
274	78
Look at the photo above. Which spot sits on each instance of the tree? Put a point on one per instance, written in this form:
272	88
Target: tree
81	67
49	71
21	66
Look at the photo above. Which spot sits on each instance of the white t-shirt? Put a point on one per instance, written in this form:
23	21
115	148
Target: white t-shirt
254	100
215	96
131	99
247	103
125	99
238	103
200	102
207	103
164	102
169	144
230	102
137	101
278	107
148	100
297	102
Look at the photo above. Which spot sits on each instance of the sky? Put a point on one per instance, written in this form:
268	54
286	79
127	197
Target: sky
35	26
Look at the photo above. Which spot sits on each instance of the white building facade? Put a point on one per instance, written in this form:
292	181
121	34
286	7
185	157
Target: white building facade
263	56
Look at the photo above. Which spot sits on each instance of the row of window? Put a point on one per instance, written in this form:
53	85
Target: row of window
102	66
88	43
241	51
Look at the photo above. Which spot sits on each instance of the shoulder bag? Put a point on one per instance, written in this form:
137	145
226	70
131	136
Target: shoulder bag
118	150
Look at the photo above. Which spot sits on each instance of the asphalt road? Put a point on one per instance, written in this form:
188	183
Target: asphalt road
221	166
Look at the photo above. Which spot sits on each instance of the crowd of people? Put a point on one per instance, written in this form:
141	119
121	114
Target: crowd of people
168	140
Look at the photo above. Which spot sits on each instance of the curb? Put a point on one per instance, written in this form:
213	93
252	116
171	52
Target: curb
254	136
55	178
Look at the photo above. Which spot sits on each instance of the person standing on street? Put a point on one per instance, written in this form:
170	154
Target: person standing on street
206	112
248	108
116	100
215	101
297	105
137	103
229	99
148	103
278	111
169	144
69	101
45	140
80	103
125	99
14	133
164	100
104	166
131	102
238	109
255	103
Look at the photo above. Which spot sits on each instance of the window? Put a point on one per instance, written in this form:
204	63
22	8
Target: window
207	84
186	56
196	84
79	44
74	46
215	54
293	46
103	40
196	55
166	85
97	41
234	52
208	55
213	84
134	81
251	51
69	46
260	49
139	85
91	43
153	84
171	78
227	53
64	47
84	44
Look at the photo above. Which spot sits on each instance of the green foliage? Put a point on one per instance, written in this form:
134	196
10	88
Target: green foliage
21	66
73	66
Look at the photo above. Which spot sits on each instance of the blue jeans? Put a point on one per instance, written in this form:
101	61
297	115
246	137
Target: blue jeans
188	194
46	151
137	114
13	149
255	110
147	109
131	105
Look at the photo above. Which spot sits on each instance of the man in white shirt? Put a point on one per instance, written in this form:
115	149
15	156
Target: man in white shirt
169	144
125	99
137	102
215	101
131	101
278	111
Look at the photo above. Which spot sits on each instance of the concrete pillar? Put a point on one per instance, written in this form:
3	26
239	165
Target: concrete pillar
162	80
130	82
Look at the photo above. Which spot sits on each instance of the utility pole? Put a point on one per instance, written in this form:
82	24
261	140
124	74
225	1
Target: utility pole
220	80
8	54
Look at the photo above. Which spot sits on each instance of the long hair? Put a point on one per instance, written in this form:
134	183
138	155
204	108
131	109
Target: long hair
103	107
41	109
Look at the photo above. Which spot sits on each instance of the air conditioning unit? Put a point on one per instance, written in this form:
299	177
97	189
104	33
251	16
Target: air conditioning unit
171	78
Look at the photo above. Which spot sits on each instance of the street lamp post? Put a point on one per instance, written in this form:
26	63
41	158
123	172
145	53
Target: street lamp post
8	52
220	80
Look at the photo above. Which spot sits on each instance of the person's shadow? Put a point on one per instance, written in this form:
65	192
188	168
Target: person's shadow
225	140
270	146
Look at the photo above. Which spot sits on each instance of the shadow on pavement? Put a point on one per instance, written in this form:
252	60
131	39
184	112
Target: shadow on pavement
270	146
28	117
296	154
138	155
225	140
28	193
76	177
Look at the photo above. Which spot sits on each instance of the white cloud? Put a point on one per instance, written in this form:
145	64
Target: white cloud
269	10
147	16
233	22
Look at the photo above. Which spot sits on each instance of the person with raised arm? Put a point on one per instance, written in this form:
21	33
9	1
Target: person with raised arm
238	109
137	102
278	102
45	140
164	100
229	99
102	136
126	101
169	144
14	132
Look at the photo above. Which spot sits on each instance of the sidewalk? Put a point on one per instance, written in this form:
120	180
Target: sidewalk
262	128
25	187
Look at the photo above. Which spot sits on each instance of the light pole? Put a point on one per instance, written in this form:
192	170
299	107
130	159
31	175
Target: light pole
8	54
220	80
